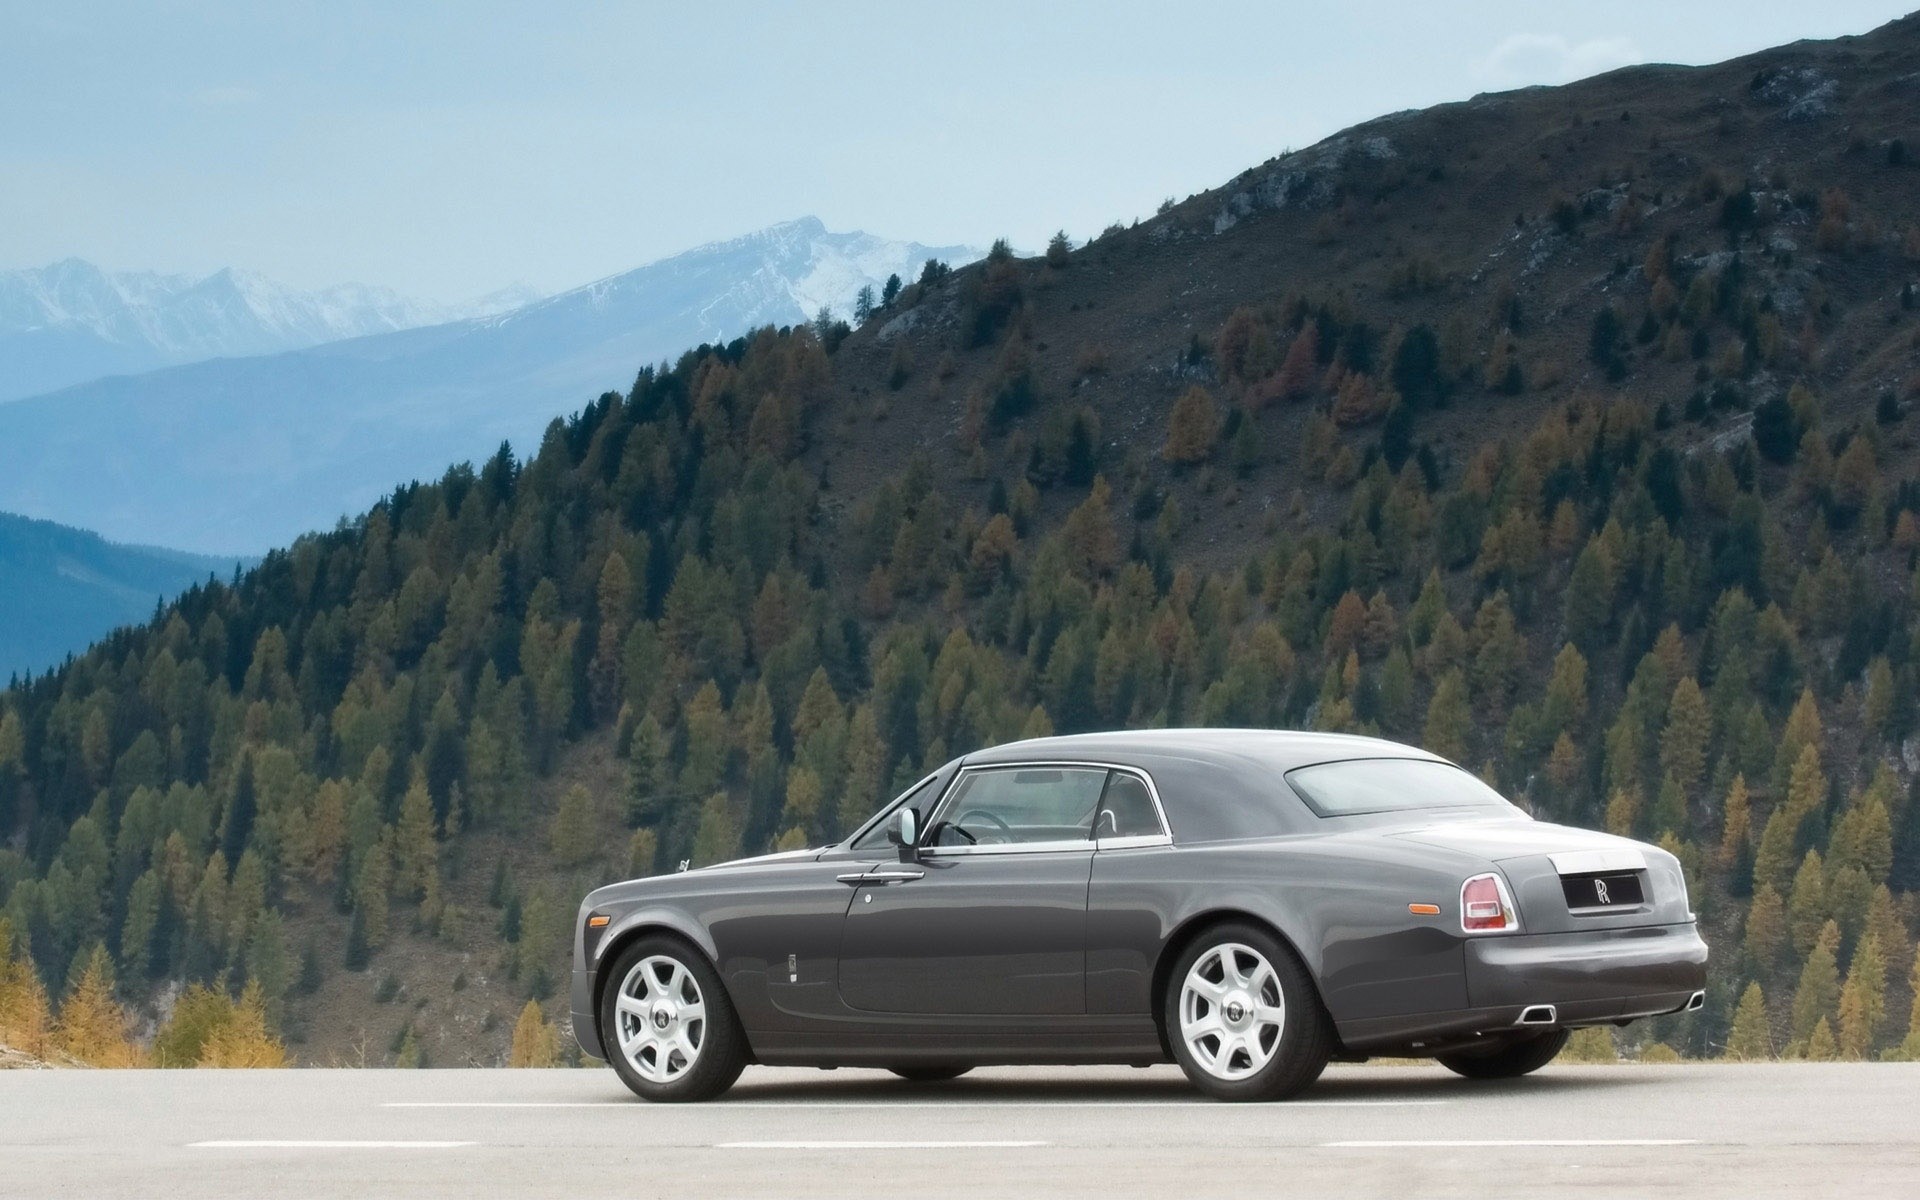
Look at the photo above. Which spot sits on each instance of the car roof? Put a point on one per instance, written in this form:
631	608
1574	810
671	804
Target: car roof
1273	749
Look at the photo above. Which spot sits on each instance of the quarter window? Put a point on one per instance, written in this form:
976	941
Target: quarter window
1006	806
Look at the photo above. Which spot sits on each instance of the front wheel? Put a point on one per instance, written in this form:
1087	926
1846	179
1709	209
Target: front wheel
669	1027
1511	1060
1244	1018
930	1074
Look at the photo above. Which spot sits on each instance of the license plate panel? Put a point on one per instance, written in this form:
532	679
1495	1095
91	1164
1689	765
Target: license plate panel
1601	891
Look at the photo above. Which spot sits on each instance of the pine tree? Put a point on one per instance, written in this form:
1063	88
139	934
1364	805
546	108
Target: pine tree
1683	744
1807	910
575	837
1751	1040
1736	821
1909	1050
416	850
1449	720
535	1042
1766	932
26	1018
244	1038
642	849
93	1028
1819	987
1192	429
1863	1000
718	837
1820	1046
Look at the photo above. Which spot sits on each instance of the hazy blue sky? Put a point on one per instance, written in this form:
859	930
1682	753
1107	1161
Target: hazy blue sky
451	148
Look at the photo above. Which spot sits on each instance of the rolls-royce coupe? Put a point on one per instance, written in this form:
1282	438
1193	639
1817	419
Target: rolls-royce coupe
1247	903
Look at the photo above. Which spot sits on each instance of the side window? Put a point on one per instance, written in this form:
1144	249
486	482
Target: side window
1004	806
1126	809
920	796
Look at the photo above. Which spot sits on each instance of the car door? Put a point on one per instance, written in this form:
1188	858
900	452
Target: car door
991	917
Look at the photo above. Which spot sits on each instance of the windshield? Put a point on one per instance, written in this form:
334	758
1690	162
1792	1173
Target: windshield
1377	785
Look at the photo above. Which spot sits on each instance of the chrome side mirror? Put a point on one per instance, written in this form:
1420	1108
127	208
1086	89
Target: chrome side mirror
903	830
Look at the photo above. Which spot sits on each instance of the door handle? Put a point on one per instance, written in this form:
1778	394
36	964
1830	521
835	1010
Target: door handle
886	875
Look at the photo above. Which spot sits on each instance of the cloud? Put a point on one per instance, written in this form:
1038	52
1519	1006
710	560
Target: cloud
1526	58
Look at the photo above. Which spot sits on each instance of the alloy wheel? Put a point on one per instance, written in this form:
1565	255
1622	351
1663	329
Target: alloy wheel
662	1019
1232	1011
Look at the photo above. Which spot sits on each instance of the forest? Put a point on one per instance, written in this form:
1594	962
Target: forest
1644	556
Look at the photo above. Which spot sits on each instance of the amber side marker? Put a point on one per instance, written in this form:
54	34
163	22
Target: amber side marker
597	922
1424	910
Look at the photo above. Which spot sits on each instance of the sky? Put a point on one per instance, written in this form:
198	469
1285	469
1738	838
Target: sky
449	149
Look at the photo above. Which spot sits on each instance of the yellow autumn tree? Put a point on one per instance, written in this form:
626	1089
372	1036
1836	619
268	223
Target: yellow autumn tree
1751	1039
26	1018
535	1041
93	1028
243	1039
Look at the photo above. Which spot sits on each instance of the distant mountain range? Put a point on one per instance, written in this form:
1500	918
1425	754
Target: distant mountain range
240	454
63	589
72	322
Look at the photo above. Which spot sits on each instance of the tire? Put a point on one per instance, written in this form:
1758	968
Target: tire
668	1026
930	1074
1511	1060
1255	1032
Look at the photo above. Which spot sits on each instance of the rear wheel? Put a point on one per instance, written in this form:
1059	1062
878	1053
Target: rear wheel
1244	1018
930	1074
1511	1060
669	1028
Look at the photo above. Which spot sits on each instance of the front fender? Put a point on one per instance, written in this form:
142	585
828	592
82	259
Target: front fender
590	959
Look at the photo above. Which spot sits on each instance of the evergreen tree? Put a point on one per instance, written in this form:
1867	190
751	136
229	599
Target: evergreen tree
1192	429
1750	1040
1819	987
576	828
1863	1001
93	1028
535	1042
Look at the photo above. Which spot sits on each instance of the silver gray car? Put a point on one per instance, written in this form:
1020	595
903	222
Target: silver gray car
1248	903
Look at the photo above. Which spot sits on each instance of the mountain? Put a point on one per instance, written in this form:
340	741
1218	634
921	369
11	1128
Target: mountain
245	453
1568	432
62	589
72	322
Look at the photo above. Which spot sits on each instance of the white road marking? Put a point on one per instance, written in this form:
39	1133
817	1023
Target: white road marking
1442	1143
875	1145
738	1104
324	1145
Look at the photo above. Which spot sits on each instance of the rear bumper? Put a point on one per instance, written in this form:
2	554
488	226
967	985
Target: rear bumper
1590	978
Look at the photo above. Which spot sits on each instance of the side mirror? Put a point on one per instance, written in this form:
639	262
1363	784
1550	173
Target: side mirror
903	830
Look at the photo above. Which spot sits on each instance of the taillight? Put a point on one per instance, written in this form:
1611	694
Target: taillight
1486	907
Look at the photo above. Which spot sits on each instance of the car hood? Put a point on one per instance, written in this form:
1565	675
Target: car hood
1505	839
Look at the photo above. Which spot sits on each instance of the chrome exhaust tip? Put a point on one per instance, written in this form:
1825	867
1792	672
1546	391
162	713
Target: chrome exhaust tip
1538	1014
1696	1002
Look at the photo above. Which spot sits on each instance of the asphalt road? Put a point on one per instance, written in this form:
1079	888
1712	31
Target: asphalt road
1803	1130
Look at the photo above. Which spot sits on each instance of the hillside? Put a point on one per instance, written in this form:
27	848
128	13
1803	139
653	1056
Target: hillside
1568	432
261	449
63	589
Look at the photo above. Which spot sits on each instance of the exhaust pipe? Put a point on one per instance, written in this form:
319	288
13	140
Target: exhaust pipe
1538	1014
1697	1001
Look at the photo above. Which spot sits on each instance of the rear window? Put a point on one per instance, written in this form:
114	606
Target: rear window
1376	785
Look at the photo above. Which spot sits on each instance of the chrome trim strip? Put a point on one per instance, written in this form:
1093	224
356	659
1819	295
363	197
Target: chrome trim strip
1590	862
881	875
1134	841
1163	838
1056	847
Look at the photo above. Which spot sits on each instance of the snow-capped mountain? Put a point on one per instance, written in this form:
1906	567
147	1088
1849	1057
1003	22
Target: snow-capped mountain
71	322
239	454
